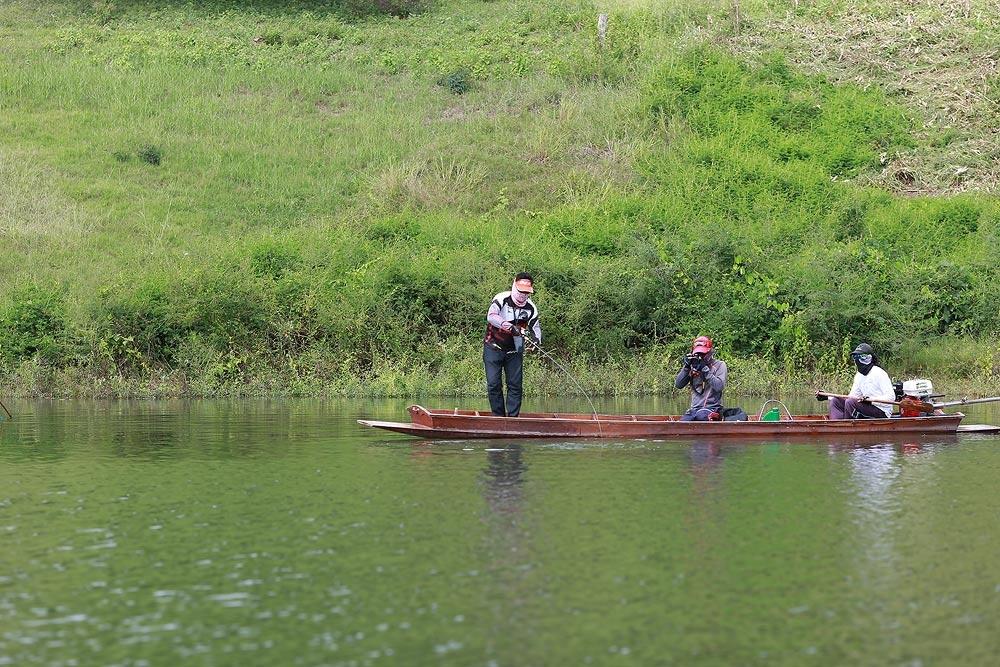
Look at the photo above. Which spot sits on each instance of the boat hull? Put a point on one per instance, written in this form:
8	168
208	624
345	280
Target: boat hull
468	424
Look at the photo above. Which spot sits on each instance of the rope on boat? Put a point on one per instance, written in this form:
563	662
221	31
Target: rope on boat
774	400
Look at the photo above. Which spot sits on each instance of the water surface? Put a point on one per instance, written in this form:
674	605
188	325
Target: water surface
281	532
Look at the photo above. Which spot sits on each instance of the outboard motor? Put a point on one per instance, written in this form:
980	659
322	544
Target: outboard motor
918	390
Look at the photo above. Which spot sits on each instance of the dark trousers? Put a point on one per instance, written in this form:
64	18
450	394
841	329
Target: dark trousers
511	365
852	408
699	414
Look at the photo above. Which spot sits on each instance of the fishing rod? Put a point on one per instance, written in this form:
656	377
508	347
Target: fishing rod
9	416
529	337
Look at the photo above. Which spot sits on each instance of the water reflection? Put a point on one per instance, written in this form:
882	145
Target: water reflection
704	456
208	529
873	497
171	429
503	479
906	444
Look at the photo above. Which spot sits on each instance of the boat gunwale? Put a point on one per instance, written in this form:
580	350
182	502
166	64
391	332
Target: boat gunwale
460	424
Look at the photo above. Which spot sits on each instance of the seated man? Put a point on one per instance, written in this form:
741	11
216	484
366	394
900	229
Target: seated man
871	383
707	377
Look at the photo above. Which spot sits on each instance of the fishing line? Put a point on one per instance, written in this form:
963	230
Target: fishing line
531	340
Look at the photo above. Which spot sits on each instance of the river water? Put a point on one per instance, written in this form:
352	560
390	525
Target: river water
282	533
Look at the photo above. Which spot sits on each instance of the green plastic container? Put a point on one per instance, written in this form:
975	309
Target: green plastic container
771	415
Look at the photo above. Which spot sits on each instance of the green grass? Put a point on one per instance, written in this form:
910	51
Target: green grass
200	198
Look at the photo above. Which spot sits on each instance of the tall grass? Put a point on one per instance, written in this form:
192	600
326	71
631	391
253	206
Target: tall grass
210	200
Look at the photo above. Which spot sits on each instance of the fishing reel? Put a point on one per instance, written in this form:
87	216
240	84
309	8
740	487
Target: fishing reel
530	341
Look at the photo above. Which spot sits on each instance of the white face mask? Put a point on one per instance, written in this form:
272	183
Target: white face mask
519	297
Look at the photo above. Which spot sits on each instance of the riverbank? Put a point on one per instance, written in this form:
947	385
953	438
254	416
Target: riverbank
958	368
198	200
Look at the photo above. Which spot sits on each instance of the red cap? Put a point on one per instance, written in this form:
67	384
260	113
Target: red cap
702	344
524	285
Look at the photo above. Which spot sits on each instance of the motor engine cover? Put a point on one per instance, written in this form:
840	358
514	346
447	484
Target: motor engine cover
920	389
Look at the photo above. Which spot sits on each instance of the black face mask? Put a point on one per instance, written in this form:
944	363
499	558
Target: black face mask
863	362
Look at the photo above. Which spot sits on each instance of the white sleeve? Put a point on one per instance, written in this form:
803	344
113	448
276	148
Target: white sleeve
493	315
883	389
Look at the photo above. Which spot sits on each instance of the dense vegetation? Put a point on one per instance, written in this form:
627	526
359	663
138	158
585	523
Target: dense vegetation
219	197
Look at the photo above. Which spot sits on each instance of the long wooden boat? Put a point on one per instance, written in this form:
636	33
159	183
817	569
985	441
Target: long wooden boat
467	424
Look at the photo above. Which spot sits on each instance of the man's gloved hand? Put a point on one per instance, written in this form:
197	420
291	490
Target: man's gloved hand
530	342
822	397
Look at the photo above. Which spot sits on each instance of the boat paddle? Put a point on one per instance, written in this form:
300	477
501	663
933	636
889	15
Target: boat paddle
530	339
915	403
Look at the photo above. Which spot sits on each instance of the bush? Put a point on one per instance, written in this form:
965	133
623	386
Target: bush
137	326
458	82
34	325
273	258
397	8
150	155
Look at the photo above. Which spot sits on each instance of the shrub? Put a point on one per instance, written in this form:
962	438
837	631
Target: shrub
34	325
150	154
226	307
458	82
397	8
136	325
273	258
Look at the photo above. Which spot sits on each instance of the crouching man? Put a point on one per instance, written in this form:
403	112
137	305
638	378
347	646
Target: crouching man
706	376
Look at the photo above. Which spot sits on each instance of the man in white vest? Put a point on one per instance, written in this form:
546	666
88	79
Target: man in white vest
511	315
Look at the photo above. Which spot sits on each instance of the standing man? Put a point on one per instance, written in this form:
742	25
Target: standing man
503	347
871	383
707	377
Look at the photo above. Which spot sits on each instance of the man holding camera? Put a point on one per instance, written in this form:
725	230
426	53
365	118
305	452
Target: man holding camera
707	377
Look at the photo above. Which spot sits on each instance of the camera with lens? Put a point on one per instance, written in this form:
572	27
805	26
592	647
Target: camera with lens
694	361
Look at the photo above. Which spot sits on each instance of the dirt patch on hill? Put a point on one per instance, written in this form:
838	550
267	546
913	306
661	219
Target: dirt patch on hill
940	59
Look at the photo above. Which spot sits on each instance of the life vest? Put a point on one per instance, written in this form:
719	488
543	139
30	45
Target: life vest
520	316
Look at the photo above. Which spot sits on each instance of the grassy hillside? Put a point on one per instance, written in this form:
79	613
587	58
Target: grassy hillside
220	197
